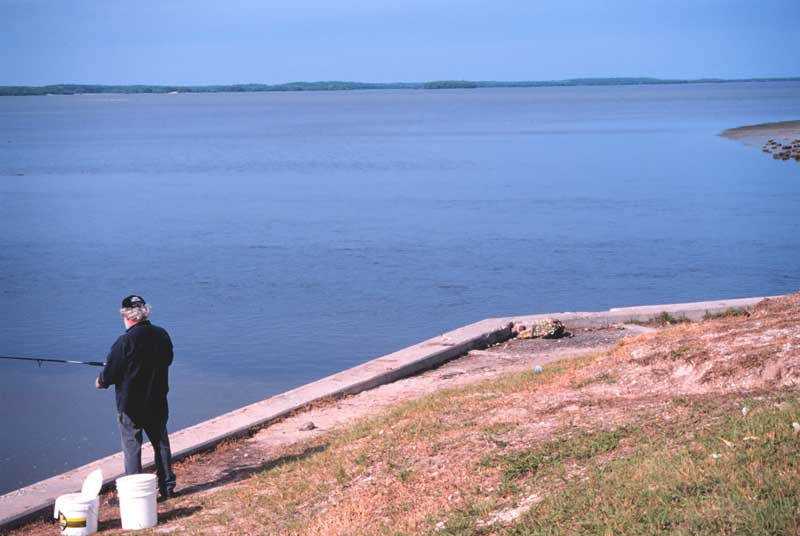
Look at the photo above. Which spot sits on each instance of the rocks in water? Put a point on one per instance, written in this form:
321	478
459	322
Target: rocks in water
546	329
789	149
786	150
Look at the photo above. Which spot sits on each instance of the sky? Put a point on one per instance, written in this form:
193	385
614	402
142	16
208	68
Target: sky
239	41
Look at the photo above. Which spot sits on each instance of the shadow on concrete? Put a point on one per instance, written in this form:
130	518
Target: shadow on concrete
241	472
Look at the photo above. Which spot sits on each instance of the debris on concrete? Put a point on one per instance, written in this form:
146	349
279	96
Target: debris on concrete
546	329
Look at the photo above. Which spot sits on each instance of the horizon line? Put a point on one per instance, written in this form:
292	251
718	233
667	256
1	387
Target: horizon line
332	85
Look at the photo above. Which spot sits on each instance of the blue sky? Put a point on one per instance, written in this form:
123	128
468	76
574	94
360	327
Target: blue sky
205	42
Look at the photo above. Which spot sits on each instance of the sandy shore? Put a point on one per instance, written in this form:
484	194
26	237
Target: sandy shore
761	134
781	140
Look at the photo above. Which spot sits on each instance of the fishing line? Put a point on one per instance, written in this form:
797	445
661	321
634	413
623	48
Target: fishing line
41	360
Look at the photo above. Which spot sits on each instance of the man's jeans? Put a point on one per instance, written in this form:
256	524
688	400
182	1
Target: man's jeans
131	435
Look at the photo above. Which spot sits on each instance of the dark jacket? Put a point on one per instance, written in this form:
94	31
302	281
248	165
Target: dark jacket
138	366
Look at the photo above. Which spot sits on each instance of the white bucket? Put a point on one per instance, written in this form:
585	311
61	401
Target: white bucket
77	512
137	501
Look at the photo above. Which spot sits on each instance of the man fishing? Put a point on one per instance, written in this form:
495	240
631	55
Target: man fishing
138	367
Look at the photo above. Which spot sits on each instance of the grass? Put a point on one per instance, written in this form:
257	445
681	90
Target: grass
662	319
654	477
604	378
727	313
739	476
341	476
551	455
683	351
381	469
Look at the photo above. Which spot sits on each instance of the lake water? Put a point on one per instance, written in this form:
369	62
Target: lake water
281	237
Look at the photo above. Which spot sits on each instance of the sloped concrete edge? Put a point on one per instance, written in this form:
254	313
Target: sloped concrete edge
380	371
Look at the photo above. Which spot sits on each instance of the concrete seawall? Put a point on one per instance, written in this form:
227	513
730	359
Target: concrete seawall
38	499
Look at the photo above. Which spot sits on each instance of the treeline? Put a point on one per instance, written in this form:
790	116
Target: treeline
75	89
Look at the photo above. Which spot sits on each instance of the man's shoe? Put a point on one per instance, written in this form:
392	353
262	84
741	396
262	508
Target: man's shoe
166	495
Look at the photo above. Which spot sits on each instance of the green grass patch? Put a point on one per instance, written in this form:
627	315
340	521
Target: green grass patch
727	313
341	475
464	521
528	462
749	485
716	471
662	319
404	474
606	378
682	352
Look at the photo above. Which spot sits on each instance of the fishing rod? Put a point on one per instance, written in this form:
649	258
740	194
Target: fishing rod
41	360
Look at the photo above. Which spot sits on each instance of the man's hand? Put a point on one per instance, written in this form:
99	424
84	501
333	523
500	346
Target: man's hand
97	383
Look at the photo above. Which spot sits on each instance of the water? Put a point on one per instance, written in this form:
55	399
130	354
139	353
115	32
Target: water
284	237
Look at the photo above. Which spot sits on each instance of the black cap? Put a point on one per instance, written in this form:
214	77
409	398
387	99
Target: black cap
133	301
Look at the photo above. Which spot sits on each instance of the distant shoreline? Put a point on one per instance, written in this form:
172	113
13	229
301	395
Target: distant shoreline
78	89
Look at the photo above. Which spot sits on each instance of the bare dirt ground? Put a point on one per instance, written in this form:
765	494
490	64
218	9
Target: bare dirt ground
457	446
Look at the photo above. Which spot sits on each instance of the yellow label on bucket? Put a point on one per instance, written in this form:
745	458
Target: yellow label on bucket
70	522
